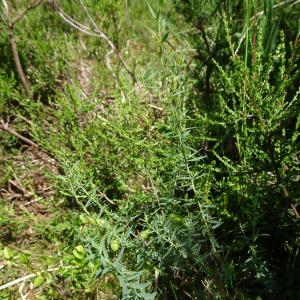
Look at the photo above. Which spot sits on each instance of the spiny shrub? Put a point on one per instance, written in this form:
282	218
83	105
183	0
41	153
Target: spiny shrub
141	185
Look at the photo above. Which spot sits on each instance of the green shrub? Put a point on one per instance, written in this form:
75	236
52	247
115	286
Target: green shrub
186	185
248	103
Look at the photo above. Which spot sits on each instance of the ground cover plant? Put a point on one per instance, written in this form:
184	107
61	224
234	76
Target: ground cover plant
149	149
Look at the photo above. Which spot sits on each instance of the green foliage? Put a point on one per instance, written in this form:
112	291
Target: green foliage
183	185
252	147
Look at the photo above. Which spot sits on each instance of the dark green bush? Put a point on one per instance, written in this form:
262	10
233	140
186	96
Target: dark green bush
248	101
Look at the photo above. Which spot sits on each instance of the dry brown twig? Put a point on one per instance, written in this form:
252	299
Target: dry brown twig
97	32
15	191
295	211
30	276
109	42
11	22
29	7
5	127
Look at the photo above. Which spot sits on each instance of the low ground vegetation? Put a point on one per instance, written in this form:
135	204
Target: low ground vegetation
149	150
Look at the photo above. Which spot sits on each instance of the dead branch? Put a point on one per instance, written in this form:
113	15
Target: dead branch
295	211
73	23
111	44
11	22
29	7
95	31
5	127
30	276
17	61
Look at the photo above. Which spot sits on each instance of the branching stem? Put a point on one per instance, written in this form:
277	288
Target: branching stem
11	22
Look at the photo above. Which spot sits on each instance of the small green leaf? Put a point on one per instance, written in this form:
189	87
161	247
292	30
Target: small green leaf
50	260
101	222
145	234
164	37
184	255
80	249
91	220
152	11
83	219
38	281
87	220
51	292
8	253
24	259
79	252
78	255
114	245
